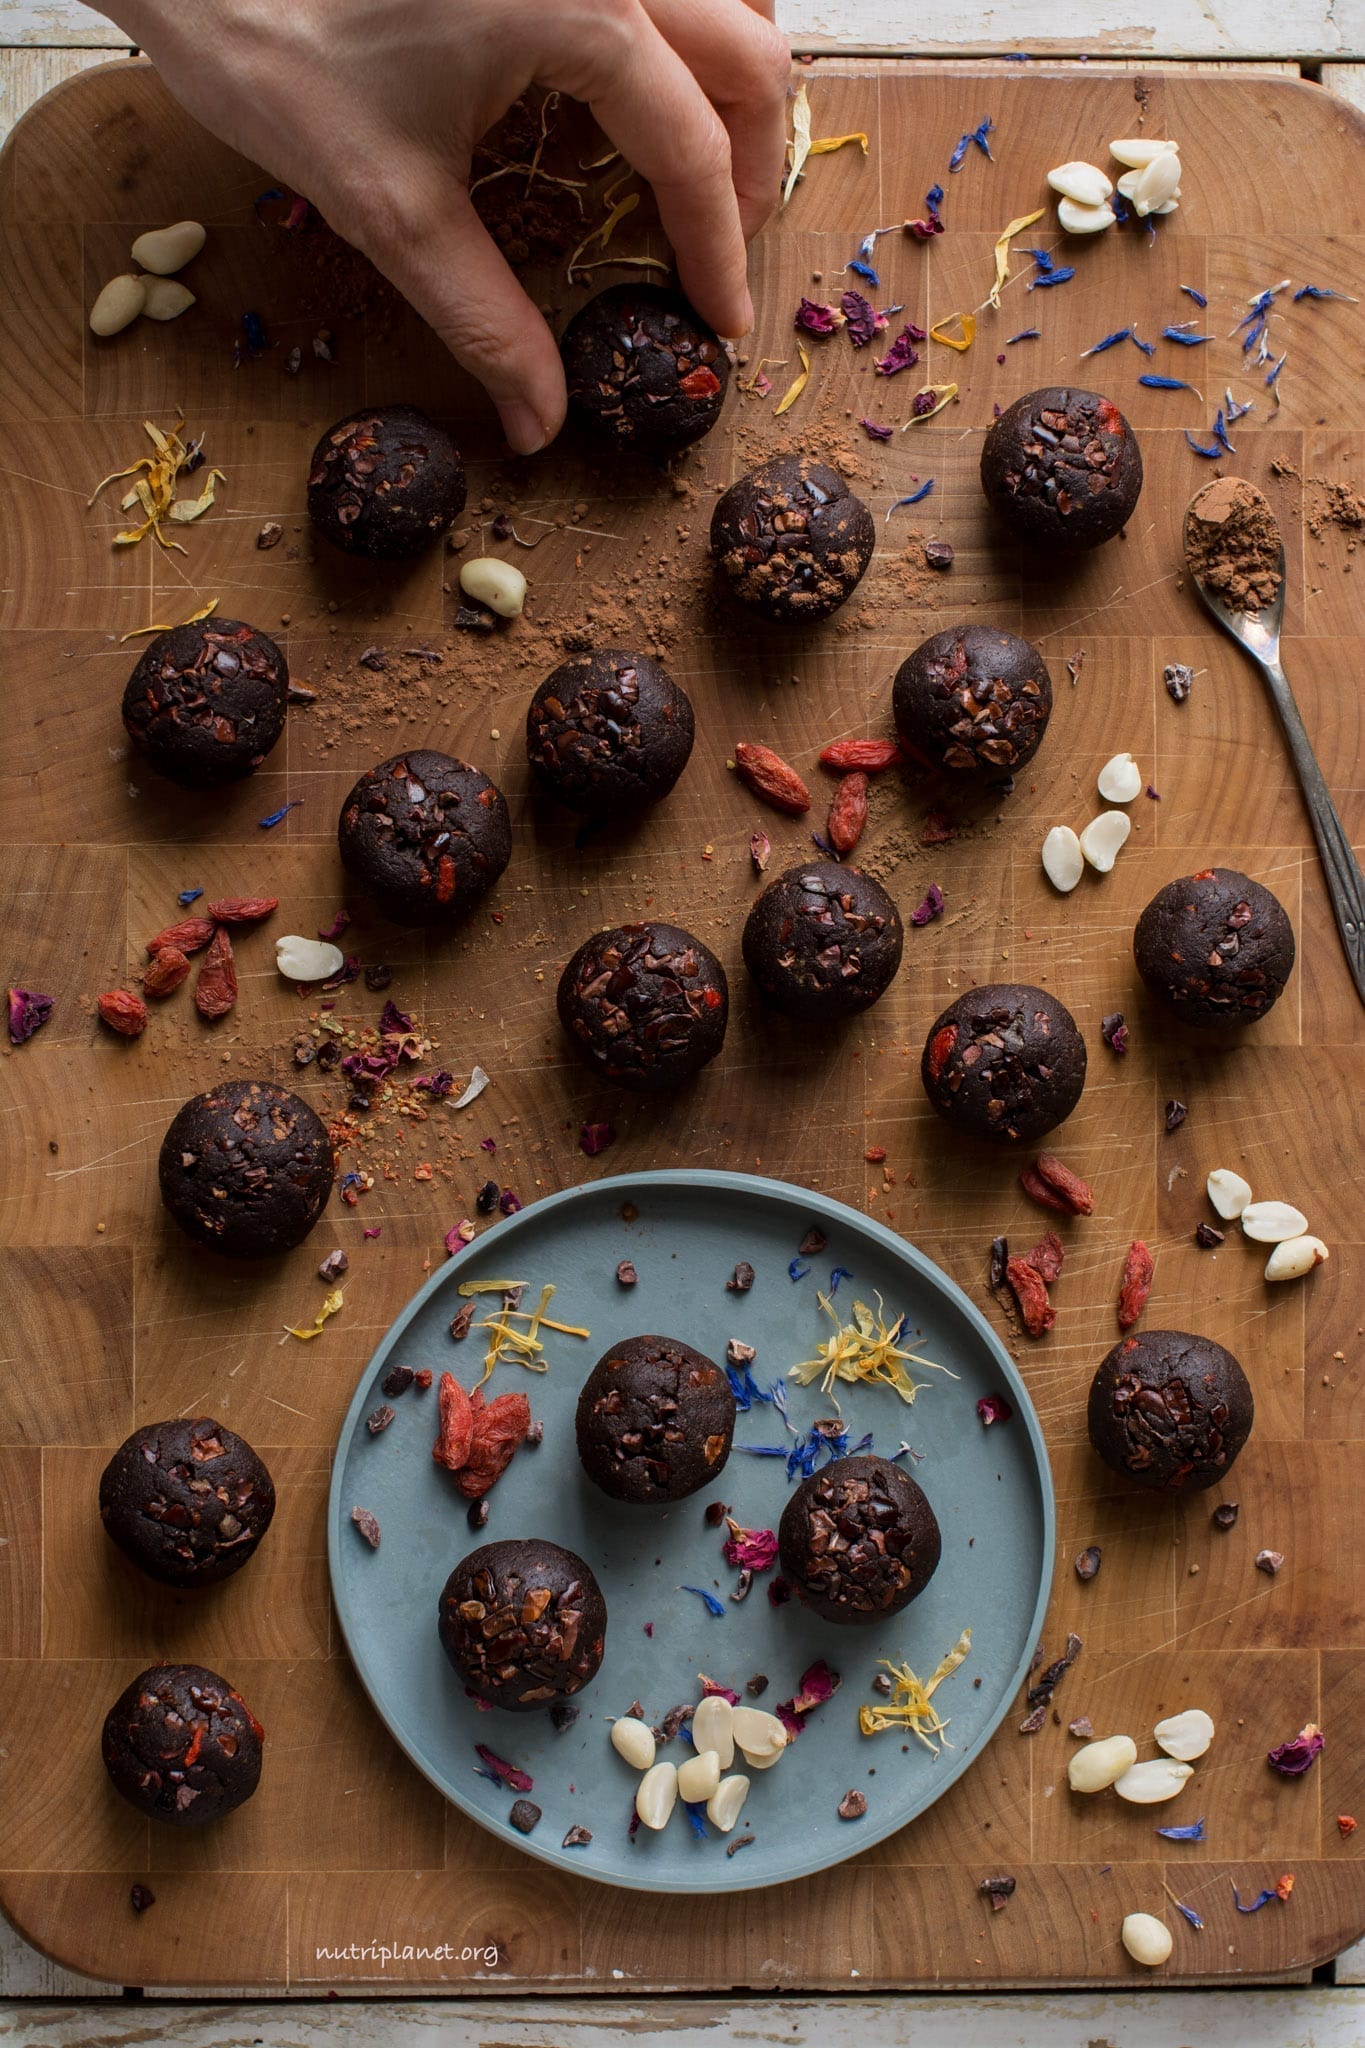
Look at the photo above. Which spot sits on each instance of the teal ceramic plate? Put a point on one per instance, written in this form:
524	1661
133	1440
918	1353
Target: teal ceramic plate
990	1488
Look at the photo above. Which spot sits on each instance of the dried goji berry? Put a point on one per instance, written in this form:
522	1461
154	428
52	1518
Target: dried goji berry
189	936
770	777
872	756
875	1154
1054	1186
455	1424
241	909
498	1430
1136	1283
215	992
1030	1291
1046	1257
848	813
167	969
122	1012
940	1048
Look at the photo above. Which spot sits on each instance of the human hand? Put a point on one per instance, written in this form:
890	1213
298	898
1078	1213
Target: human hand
373	109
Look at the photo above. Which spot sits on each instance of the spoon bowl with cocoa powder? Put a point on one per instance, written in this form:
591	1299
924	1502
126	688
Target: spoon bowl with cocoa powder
1235	556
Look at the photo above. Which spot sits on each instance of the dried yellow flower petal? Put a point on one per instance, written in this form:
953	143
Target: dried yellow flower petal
865	1349
944	394
1002	251
797	385
968	325
911	1702
205	611
330	1307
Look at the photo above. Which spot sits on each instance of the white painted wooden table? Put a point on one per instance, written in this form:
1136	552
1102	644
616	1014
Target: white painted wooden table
44	41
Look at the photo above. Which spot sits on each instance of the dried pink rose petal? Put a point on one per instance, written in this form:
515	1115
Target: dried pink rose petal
28	1012
993	1408
1293	1758
507	1774
814	318
817	1685
754	1550
902	354
860	317
725	1692
595	1138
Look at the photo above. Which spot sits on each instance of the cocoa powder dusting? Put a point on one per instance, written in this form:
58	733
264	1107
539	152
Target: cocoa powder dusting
1232	544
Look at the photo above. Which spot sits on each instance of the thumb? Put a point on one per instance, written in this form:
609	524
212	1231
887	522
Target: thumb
457	278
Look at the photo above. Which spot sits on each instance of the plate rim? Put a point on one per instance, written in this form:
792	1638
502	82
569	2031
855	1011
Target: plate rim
768	1189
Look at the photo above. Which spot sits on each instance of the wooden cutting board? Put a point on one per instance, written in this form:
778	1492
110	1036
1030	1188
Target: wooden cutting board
111	1319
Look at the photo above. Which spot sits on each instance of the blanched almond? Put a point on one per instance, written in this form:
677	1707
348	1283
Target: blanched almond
657	1795
757	1733
1152	1783
1185	1736
698	1777
1272	1222
1120	780
1140	150
1063	861
163	250
1228	1192
1085	183
1084	220
1295	1257
165	298
726	1803
713	1728
1095	1767
118	305
1103	838
634	1741
1147	1939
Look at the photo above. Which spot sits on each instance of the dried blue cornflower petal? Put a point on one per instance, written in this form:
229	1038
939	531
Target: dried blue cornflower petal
1261	1898
276	817
1233	410
1044	259
694	1809
742	1387
1183	336
975	135
1214	451
1192	292
914	498
796	1270
763	1450
1315	291
1063	276
1194	1832
1025	334
1189	1914
1148	347
1220	432
713	1606
863	270
837	1274
1272	375
1167	384
188	896
1110	340
979	134
933	199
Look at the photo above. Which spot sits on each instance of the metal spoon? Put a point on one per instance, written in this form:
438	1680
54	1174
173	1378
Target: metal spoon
1259	633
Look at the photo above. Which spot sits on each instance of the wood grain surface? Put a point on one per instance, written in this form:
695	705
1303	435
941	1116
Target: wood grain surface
111	1319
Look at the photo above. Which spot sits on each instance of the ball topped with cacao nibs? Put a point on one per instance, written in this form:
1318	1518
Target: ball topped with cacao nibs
792	540
1170	1410
1216	948
609	732
385	482
182	1746
643	369
206	702
1062	468
858	1540
1005	1062
655	1420
427	835
823	941
973	700
524	1623
186	1500
246	1169
646	1004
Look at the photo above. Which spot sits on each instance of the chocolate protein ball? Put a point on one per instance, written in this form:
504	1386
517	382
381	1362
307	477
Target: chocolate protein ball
823	941
792	539
643	368
385	482
973	700
182	1746
246	1169
1005	1062
1170	1410
654	1422
187	1501
1062	468
428	836
858	1540
206	702
523	1623
1215	947
609	732
647	1004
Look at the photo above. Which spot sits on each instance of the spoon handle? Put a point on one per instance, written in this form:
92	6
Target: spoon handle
1345	883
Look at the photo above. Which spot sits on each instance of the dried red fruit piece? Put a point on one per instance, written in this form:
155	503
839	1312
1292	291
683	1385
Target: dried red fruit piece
498	1431
1054	1186
455	1425
940	1048
937	829
700	383
190	935
168	968
124	1013
1028	1288
872	756
215	992
1136	1283
848	813
1046	1257
241	909
770	777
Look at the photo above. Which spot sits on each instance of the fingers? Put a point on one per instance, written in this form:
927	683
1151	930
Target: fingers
452	272
646	99
743	65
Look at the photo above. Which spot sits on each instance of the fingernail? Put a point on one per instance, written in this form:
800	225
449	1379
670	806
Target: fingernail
746	325
525	434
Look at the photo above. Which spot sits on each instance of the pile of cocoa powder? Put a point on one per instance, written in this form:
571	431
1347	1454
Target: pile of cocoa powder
1232	544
